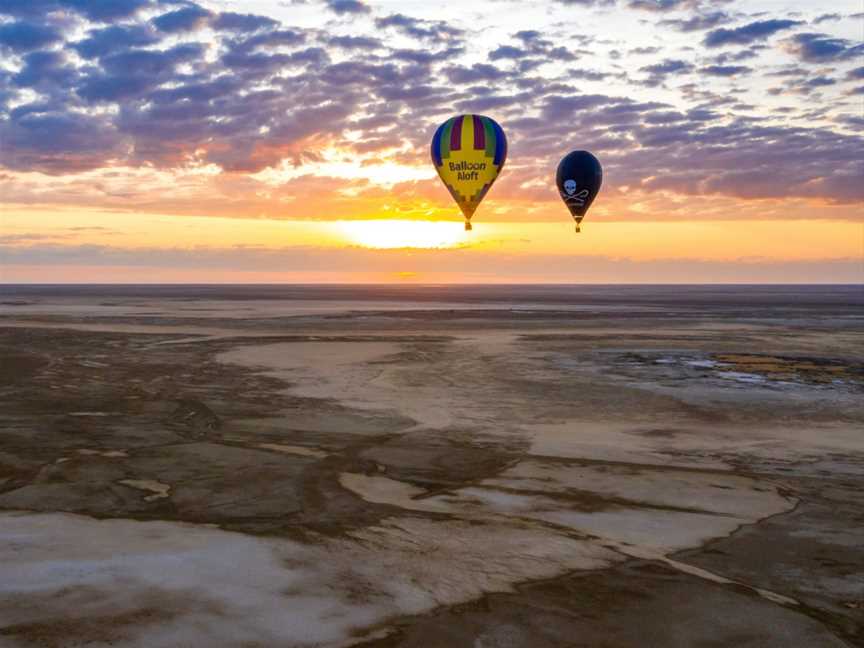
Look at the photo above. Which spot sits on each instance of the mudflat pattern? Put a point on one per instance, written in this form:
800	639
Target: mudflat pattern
367	468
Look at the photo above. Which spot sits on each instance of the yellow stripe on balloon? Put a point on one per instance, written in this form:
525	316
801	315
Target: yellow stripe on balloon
468	133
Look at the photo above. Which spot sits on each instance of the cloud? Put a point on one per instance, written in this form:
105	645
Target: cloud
821	48
854	121
785	162
749	33
669	66
268	39
15	240
533	51
230	21
697	22
857	74
26	8
667	5
132	72
646	50
820	81
54	142
105	10
101	42
588	3
725	70
561	109
97	89
658	5
478	73
804	86
416	28
190	18
356	42
658	72
508	52
347	7
23	36
827	17
95	10
739	55
316	263
47	71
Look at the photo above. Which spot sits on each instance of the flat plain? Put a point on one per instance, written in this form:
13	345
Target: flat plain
432	467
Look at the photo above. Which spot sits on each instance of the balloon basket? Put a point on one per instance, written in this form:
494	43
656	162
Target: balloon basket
578	229
468	227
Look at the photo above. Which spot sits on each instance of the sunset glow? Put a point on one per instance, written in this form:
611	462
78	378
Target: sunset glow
391	234
294	140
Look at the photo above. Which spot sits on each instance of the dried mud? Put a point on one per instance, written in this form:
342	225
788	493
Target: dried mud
190	472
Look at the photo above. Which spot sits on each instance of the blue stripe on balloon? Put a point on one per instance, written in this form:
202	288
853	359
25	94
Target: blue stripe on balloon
436	146
500	144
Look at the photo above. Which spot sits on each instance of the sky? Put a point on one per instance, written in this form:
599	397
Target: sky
288	140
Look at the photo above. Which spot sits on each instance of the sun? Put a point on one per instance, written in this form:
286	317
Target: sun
393	234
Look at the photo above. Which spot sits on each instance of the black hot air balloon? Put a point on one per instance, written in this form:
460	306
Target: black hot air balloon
579	178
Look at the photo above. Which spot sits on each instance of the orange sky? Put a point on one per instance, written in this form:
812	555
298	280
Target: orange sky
81	245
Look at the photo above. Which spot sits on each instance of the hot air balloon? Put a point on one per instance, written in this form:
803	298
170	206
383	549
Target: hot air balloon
469	152
579	178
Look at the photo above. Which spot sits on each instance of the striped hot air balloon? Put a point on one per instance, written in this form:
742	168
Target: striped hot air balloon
469	152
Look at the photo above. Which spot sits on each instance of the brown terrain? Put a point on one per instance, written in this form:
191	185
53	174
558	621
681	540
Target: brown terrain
439	469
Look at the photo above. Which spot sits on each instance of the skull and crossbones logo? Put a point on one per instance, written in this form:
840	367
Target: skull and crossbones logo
573	198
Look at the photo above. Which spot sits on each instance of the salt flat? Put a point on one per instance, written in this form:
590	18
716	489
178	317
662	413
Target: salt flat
431	467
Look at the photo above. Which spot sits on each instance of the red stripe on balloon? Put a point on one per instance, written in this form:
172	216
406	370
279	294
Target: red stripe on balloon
479	134
456	134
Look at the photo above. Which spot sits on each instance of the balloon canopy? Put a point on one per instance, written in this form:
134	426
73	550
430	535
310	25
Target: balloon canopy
469	152
579	178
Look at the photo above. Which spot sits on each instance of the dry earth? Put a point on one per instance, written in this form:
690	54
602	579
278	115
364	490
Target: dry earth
364	469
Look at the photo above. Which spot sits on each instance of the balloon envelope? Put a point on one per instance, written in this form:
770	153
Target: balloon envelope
469	152
579	178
